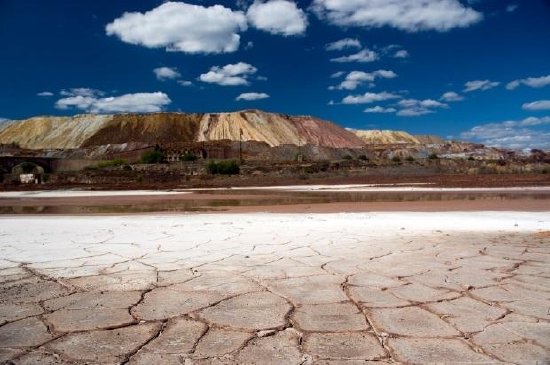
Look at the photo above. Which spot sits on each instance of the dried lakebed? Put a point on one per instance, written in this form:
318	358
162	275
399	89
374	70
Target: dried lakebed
276	288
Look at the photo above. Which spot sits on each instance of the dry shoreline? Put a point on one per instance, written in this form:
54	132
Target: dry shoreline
275	288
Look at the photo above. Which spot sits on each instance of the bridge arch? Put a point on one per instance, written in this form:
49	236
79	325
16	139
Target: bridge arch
28	167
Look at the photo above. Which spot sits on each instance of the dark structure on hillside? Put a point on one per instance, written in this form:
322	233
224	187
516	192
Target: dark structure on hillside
215	150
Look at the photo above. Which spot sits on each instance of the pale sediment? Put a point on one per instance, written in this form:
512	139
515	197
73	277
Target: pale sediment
274	288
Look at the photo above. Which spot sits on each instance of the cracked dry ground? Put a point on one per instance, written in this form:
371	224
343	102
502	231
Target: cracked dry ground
268	290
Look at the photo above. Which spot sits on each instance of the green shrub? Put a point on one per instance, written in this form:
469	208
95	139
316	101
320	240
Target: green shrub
151	157
112	163
348	157
396	159
226	167
410	159
363	158
433	156
189	157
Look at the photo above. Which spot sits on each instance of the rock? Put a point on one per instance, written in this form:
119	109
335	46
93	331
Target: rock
24	333
410	321
105	346
355	345
253	311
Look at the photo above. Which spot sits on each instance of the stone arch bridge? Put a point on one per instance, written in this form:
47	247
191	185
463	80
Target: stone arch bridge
48	164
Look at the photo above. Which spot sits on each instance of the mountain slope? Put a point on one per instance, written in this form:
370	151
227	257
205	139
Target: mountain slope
94	130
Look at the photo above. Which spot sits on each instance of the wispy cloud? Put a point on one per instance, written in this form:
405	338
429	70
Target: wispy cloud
516	134
343	44
368	98
252	96
380	109
45	93
480	85
415	107
537	105
534	82
363	56
450	96
357	78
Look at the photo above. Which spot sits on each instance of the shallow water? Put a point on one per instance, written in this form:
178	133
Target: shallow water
226	200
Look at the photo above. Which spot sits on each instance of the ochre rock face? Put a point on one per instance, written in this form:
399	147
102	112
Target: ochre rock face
386	137
53	132
94	130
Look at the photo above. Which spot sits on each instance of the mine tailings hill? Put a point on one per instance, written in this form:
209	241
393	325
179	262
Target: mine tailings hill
82	131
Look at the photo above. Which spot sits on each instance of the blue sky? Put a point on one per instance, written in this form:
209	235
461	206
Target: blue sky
476	70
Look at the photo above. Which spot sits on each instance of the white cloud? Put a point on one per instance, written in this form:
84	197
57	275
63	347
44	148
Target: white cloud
337	74
526	133
185	83
511	8
365	55
166	73
480	85
137	103
534	82
451	96
401	54
45	93
368	98
414	107
343	44
82	91
408	15
229	75
252	96
277	17
537	105
356	78
182	27
380	109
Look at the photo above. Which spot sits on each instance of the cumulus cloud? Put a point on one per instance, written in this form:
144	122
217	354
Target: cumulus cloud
534	82
357	78
408	15
368	98
380	109
229	75
166	73
451	96
45	93
337	74
414	107
252	96
137	103
537	105
343	44
363	56
517	134
480	85
182	27
277	17
185	83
